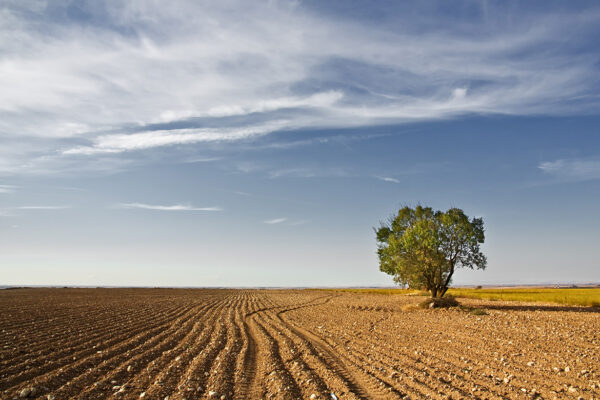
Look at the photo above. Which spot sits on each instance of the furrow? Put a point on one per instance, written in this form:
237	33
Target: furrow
99	363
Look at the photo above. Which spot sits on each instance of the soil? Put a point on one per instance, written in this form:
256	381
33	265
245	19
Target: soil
289	344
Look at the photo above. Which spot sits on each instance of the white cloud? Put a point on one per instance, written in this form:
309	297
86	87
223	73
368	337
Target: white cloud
387	179
235	68
202	160
174	207
275	221
572	169
137	141
459	93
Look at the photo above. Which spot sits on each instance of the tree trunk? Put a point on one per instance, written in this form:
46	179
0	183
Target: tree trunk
447	283
434	292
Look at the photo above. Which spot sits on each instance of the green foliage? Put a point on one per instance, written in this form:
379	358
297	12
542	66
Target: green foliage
422	248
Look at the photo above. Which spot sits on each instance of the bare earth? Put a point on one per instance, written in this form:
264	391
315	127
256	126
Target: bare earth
285	344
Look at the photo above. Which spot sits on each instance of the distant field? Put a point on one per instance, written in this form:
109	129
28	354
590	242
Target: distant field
579	296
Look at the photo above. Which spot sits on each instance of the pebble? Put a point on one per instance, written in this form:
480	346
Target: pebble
142	395
313	396
212	394
30	391
129	368
530	364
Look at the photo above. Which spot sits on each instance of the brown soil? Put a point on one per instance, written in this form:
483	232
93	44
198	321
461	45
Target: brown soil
289	344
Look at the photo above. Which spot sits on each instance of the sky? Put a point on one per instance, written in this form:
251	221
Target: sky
238	143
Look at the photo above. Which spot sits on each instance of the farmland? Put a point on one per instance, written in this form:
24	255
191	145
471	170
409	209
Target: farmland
289	344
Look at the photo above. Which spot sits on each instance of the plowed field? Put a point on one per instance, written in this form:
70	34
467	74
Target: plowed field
288	344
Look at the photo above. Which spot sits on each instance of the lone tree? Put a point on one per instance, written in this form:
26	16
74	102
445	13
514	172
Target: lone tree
422	248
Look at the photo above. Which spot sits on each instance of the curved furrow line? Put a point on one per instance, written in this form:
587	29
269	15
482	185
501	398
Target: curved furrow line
246	367
198	370
356	376
82	359
169	377
126	370
386	356
413	387
222	375
278	382
97	364
256	388
193	385
313	378
72	351
424	377
332	373
327	352
416	382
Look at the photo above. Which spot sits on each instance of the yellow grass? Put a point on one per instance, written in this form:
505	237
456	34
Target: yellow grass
570	296
578	297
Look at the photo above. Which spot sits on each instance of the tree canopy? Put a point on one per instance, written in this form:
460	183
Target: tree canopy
422	248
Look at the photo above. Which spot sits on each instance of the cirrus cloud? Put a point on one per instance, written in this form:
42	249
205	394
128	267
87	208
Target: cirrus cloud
134	76
174	207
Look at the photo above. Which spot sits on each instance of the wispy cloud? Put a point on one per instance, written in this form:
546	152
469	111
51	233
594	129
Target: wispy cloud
7	188
134	77
387	179
275	221
138	141
202	160
174	207
43	207
572	169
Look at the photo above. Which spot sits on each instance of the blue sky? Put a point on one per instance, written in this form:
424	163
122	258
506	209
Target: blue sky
258	143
